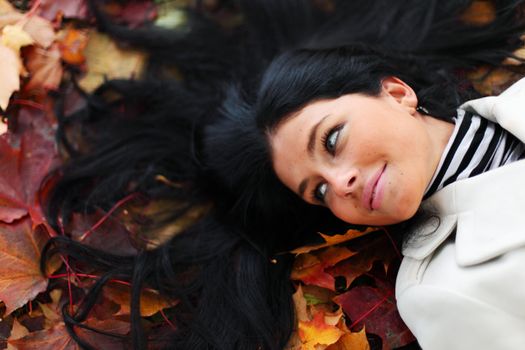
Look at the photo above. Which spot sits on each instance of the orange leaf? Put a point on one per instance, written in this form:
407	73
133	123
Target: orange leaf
310	268
317	332
333	240
73	44
150	301
20	276
352	341
480	12
378	249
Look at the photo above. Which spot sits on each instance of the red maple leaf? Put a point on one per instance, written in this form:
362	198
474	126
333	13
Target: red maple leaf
375	308
25	159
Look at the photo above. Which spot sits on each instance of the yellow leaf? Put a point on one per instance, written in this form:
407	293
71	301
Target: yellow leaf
18	331
352	341
519	54
40	29
106	60
51	311
6	7
15	37
10	73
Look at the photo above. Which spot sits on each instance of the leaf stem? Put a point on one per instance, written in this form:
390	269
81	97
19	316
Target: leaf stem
365	315
107	215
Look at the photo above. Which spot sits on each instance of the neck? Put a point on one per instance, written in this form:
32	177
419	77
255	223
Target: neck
439	133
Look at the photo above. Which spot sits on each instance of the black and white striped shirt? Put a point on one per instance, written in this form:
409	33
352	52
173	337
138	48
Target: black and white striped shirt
475	146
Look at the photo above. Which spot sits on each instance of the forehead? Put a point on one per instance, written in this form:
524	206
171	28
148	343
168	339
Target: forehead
289	141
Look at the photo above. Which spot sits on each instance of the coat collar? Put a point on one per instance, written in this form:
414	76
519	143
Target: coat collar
486	211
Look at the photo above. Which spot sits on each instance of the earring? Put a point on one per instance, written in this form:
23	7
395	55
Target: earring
422	109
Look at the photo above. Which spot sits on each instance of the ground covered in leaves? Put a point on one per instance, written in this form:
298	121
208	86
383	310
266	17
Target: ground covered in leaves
345	286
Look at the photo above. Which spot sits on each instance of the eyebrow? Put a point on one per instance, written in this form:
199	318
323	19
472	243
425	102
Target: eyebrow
313	136
310	147
302	187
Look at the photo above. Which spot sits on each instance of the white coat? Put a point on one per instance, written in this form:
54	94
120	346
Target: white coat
468	292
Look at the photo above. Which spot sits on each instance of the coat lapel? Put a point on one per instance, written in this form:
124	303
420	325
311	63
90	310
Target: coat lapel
487	211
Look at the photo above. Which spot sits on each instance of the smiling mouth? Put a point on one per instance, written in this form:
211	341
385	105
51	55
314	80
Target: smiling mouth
371	193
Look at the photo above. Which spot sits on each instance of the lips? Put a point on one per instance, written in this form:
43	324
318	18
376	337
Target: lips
371	193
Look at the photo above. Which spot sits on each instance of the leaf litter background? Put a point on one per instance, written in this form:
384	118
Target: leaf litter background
344	287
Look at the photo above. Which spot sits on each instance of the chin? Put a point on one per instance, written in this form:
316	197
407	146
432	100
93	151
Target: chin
406	210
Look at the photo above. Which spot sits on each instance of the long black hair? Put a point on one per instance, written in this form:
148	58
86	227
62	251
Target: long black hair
206	134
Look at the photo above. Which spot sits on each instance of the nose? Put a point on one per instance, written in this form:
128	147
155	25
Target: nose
344	182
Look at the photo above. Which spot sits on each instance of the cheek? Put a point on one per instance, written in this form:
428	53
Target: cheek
347	211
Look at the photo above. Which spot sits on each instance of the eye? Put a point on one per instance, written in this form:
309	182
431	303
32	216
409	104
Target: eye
319	192
330	138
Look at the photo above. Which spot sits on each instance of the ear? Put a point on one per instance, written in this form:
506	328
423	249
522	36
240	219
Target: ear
400	92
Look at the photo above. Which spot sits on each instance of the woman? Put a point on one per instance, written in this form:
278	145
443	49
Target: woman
232	148
371	155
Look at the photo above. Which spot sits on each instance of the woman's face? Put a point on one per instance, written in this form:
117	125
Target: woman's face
368	159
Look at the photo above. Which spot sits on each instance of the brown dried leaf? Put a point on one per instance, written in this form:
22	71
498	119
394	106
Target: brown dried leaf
20	276
142	220
51	311
490	81
58	337
51	9
105	60
300	305
45	68
111	236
